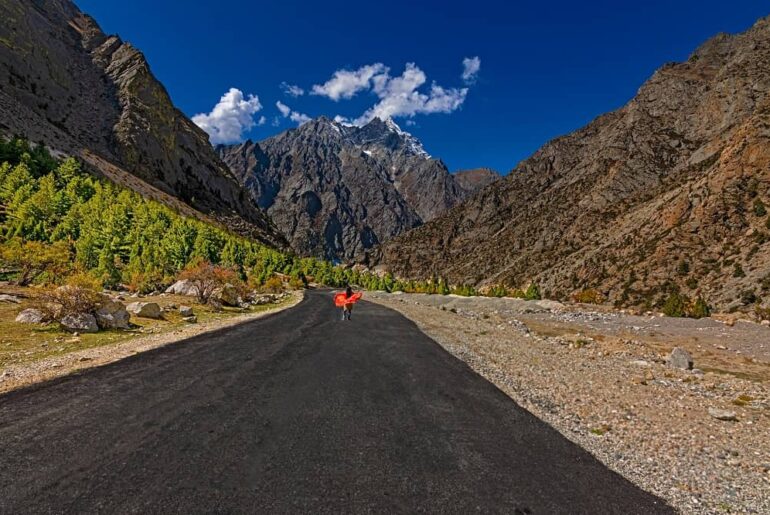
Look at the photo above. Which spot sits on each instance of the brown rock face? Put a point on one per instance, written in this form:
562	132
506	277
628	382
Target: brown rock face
473	180
67	84
336	190
666	193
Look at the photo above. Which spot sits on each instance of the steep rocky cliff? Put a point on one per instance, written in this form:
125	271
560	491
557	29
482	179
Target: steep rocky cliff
64	82
336	190
667	193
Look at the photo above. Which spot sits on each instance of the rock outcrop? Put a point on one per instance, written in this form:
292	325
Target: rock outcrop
335	190
473	180
84	93
668	193
145	309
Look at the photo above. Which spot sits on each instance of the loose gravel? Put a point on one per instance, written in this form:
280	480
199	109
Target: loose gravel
617	397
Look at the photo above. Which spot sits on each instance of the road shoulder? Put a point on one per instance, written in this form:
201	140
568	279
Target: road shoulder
21	375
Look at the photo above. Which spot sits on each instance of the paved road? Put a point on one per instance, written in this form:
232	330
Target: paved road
297	412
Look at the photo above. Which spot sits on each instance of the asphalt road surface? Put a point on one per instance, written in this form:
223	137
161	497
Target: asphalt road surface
296	412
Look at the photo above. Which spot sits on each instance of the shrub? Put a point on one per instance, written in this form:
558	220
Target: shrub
759	208
207	278
738	271
700	308
273	285
296	283
588	296
675	305
748	297
79	294
35	258
497	290
533	292
143	282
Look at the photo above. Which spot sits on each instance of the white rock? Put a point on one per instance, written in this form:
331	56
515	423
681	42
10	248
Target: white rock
80	322
144	309
186	311
184	287
680	358
13	299
31	316
721	414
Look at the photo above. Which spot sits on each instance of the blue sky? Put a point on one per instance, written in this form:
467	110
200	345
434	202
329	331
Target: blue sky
546	68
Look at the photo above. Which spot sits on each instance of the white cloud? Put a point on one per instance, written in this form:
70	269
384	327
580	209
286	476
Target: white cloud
286	112
471	67
346	83
399	96
292	90
283	108
230	118
262	120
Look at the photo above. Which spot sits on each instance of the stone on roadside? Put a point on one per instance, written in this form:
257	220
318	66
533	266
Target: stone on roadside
13	299
80	322
228	295
722	414
112	314
190	319
186	311
31	316
144	309
680	358
184	287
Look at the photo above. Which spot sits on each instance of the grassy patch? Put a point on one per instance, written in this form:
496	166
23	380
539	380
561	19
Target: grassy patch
25	343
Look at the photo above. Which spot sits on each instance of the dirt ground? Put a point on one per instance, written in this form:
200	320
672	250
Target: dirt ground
600	377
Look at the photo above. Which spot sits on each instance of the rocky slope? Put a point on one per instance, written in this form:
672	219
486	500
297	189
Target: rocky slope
336	190
66	83
666	193
473	180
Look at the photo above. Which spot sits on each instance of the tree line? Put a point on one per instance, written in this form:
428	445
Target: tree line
56	220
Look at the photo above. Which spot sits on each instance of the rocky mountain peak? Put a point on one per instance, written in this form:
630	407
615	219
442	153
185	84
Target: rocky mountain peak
666	195
388	134
88	94
336	190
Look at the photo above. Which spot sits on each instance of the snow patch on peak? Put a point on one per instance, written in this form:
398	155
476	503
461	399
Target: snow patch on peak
412	144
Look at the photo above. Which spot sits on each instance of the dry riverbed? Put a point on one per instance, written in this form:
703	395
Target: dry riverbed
601	379
33	353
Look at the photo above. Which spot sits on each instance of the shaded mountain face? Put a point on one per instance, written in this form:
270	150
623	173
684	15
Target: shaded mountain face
666	193
473	180
336	190
67	84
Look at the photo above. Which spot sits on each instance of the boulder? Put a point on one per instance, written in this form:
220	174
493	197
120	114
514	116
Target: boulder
228	295
186	311
13	299
80	322
183	287
722	414
112	314
31	316
144	309
550	305
680	358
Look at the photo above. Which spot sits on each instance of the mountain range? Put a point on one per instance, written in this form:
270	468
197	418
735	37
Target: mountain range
81	92
337	190
665	195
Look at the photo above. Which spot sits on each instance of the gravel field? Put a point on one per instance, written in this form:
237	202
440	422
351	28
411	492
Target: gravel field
601	379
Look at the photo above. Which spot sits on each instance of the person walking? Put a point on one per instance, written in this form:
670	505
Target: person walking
347	308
